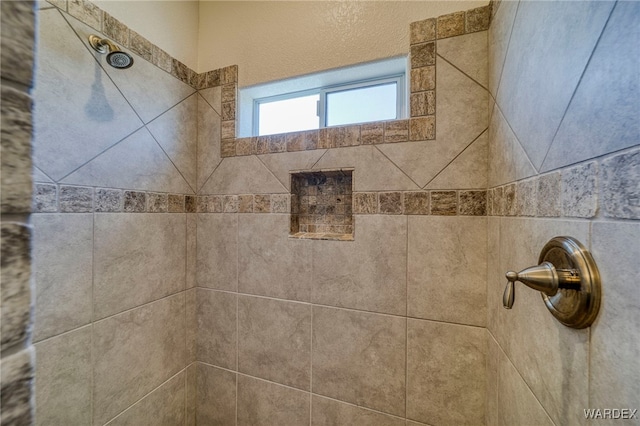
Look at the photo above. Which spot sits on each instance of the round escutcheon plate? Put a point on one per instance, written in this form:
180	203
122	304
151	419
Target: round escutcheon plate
575	307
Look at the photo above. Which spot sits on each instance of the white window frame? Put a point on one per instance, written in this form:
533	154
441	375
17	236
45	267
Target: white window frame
354	77
398	79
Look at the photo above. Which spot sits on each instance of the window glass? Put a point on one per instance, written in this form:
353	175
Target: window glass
288	115
362	104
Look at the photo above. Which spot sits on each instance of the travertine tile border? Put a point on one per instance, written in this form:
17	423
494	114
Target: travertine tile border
606	187
420	126
53	198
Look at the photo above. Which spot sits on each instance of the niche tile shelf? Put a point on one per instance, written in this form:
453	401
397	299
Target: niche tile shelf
321	205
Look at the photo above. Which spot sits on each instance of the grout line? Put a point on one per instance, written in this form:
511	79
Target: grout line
575	89
93	314
320	305
506	53
485	130
169	158
463	72
273	174
183	370
406	324
398	167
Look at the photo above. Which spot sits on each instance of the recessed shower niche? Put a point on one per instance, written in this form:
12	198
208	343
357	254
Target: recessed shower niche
321	205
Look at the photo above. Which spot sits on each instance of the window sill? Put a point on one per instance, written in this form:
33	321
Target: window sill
321	236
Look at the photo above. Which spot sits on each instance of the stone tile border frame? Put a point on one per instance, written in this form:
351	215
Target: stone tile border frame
420	126
603	187
52	198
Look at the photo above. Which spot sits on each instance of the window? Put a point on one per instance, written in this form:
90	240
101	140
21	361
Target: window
359	94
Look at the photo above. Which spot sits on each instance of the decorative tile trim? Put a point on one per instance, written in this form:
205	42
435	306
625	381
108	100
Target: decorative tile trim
420	126
608	187
52	198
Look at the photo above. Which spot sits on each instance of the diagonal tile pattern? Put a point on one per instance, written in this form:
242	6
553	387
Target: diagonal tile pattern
176	134
596	123
548	74
462	117
208	144
137	162
93	113
148	89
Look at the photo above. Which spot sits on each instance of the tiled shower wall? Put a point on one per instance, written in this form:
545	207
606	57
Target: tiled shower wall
385	329
16	350
564	159
115	170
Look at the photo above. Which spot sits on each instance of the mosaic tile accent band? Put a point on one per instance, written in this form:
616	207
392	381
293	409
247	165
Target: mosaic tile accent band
608	187
51	198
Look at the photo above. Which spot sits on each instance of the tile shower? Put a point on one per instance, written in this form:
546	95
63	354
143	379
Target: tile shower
167	285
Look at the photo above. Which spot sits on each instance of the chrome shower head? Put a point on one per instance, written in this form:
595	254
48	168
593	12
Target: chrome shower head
115	57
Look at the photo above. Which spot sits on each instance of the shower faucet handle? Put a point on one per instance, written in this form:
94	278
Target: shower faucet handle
508	296
543	277
568	280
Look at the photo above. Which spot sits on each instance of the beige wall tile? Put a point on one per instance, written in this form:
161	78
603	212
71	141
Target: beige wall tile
216	396
518	406
369	273
134	352
138	258
191	389
461	106
446	373
192	250
243	175
494	354
546	77
282	164
217	328
447	269
64	379
165	406
269	263
552	358
62	258
213	96
614	376
65	85
372	170
140	83
263	403
329	412
498	41
136	162
176	133
613	124
468	170
508	161
359	357
208	151
274	340
217	258
468	53
191	324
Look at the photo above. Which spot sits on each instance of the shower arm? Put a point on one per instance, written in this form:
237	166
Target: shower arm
103	45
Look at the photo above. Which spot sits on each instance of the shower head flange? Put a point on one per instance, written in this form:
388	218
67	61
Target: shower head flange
115	57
